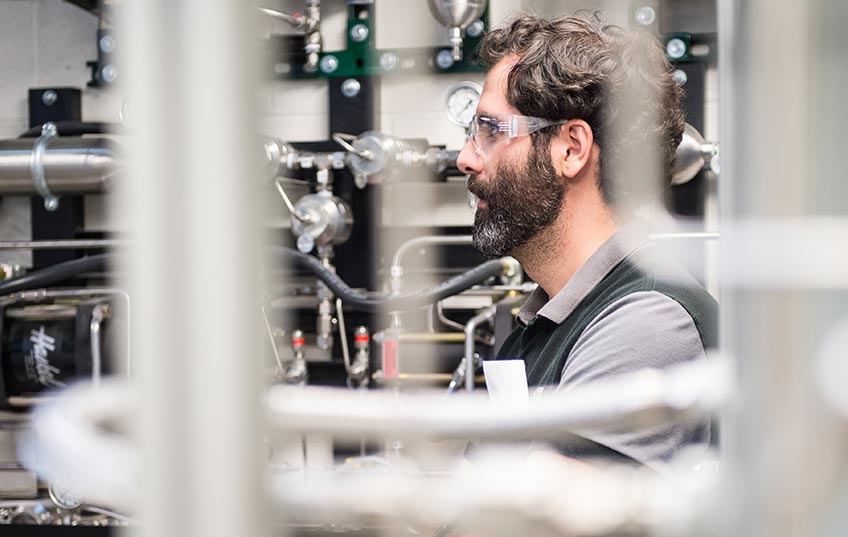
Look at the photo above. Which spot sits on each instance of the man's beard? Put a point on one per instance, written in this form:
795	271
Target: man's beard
521	201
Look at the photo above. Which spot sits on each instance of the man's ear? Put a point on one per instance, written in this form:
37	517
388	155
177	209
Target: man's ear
574	148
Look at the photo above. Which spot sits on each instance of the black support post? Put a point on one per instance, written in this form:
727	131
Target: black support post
45	105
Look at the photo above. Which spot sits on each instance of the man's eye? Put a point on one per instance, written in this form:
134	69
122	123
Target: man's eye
490	130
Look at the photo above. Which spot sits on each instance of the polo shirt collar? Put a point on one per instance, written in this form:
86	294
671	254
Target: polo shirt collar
629	238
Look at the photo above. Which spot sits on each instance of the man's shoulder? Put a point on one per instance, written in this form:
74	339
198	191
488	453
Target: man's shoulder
647	291
652	269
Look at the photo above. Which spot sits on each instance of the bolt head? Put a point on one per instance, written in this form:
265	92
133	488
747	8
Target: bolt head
444	59
106	43
359	33
109	73
475	29
388	61
305	243
329	64
351	87
360	180
323	341
51	204
675	48
681	77
645	15
49	97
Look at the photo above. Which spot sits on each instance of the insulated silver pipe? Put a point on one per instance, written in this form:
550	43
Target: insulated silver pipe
651	396
72	165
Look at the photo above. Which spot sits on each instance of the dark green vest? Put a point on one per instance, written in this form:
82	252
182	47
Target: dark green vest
545	346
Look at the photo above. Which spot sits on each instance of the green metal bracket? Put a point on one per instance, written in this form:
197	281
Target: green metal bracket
360	58
678	46
646	14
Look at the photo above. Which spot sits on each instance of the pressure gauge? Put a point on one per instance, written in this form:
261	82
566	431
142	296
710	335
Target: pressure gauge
461	102
64	495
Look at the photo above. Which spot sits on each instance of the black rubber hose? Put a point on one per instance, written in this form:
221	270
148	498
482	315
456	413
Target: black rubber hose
56	273
403	302
77	128
356	299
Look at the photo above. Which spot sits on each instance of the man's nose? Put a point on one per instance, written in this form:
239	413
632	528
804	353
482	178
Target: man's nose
468	161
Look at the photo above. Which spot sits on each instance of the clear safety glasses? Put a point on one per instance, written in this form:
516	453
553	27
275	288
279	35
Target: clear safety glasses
487	131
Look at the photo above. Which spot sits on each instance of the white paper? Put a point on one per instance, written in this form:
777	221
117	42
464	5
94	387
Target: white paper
506	381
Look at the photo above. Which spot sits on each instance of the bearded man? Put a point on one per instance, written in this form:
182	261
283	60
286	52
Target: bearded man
578	124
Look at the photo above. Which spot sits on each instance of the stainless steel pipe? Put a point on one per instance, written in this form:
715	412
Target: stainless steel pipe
72	165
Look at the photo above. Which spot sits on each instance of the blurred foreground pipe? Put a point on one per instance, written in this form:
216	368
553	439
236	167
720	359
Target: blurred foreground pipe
192	219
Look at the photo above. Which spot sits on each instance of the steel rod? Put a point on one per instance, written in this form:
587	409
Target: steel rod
69	244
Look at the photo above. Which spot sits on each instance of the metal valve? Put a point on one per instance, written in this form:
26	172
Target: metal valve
298	341
296	372
362	345
375	157
361	340
321	219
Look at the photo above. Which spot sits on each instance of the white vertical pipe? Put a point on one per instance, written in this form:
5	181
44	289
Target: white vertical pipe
784	452
193	268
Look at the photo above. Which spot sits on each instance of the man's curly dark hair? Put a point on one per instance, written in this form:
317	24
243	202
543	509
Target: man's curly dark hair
618	80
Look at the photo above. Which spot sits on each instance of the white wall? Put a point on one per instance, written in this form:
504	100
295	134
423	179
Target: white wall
48	42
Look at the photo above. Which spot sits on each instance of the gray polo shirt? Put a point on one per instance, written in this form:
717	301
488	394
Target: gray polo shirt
629	307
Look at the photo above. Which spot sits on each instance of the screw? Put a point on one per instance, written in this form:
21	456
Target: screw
109	73
475	29
444	59
107	43
305	243
389	61
359	33
645	15
675	48
351	87
329	64
681	77
51	203
322	341
49	97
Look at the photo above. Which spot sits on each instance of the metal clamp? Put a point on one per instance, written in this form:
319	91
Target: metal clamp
36	163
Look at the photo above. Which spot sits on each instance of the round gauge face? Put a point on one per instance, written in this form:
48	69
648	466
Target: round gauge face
64	495
461	102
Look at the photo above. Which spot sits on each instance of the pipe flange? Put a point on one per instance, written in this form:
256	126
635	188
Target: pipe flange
48	132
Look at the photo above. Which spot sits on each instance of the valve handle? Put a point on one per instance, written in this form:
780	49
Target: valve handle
344	140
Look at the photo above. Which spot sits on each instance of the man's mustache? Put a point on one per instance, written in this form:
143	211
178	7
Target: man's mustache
475	187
